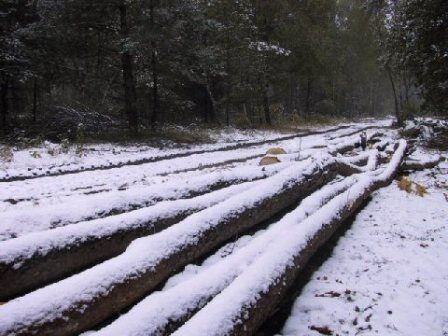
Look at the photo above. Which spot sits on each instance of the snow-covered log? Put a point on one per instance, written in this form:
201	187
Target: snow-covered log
88	298
58	171
422	164
39	258
75	206
36	259
163	312
346	167
382	145
246	303
15	223
351	143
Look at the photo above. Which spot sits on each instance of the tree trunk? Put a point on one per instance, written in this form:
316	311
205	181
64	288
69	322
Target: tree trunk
397	108
267	112
130	98
201	95
35	91
374	98
309	88
407	86
247	113
155	88
4	104
209	104
155	74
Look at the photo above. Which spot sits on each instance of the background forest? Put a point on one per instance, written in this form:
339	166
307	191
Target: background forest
106	66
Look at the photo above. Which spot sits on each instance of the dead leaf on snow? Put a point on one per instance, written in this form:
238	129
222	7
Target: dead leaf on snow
420	190
276	151
405	185
269	160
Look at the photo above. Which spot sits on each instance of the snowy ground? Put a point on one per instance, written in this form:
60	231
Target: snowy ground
389	273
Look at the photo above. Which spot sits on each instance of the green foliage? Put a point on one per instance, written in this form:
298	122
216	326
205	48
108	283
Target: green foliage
245	62
426	39
417	47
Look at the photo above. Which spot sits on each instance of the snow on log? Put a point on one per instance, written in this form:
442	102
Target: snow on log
350	144
58	171
382	145
47	190
246	303
360	159
39	258
347	168
422	162
80	302
18	222
162	312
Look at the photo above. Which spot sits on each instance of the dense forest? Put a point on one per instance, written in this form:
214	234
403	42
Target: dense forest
113	65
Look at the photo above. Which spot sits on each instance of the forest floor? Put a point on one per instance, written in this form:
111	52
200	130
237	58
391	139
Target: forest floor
195	239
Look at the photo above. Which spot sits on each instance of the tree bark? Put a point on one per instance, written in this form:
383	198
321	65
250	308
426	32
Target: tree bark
155	74
130	98
4	103
410	165
267	112
394	90
309	88
209	105
35	91
155	88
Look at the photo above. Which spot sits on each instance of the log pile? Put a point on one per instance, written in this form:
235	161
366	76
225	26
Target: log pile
136	252
253	309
